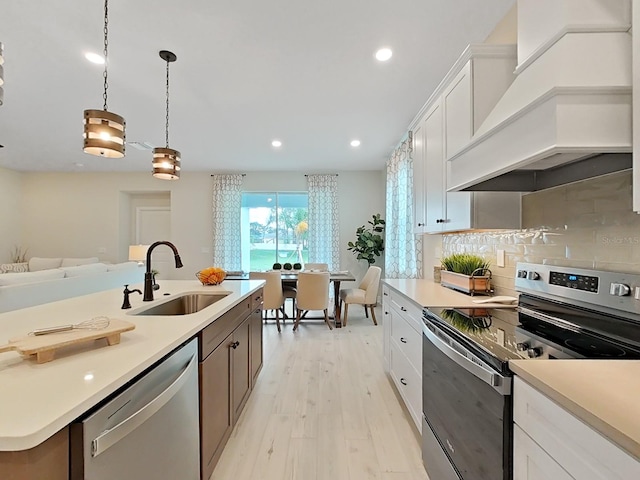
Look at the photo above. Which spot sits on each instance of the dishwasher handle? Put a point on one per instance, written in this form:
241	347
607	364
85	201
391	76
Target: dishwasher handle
113	435
499	383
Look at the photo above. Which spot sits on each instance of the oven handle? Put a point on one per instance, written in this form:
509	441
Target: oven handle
499	383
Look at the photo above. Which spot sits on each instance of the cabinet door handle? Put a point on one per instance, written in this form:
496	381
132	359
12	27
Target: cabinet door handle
385	294
421	224
235	344
386	313
403	340
403	309
403	381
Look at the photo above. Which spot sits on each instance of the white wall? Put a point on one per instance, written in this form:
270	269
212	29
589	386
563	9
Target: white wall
88	214
10	213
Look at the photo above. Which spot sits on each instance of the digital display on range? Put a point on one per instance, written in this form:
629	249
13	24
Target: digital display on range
576	282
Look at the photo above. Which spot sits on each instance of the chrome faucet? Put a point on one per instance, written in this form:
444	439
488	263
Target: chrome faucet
148	276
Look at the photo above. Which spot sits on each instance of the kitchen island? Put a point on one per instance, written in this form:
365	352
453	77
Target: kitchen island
40	400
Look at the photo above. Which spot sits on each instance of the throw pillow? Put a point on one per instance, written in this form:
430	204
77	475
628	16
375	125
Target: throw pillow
43	263
14	267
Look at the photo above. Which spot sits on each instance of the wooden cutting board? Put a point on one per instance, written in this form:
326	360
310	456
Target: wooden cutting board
44	347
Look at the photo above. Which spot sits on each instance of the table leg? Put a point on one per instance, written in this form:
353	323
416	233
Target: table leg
337	319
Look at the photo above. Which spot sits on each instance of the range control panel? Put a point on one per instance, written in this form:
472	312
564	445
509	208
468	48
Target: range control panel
573	280
611	290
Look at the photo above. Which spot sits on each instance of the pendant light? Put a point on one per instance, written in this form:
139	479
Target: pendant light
104	134
1	74
166	161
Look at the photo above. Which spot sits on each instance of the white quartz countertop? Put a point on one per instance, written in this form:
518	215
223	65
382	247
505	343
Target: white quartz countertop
37	400
602	393
428	293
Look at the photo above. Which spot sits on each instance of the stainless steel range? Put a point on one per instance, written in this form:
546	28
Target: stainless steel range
563	312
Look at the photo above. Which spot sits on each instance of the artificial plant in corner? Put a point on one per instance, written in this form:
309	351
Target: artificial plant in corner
369	243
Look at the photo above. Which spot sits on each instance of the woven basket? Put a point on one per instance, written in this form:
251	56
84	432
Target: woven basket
222	276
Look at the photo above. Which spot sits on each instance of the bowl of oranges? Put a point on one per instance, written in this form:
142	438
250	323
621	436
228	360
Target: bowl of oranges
211	276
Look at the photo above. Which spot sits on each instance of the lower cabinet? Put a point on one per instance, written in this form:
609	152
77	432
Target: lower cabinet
230	360
403	349
49	460
551	443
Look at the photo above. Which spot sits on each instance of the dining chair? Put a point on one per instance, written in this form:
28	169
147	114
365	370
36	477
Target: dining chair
313	294
322	267
366	294
273	297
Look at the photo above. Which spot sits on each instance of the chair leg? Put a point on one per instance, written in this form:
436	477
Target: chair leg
278	319
295	326
366	314
373	315
346	313
326	318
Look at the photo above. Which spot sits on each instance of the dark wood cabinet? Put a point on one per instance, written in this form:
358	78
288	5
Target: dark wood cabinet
48	460
255	331
216	421
240	369
230	360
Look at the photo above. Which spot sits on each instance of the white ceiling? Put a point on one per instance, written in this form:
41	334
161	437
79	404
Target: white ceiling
248	71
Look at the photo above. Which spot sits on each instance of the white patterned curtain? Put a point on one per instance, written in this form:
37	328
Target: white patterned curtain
324	232
403	249
227	205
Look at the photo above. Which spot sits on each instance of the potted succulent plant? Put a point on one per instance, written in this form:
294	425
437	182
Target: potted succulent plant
466	272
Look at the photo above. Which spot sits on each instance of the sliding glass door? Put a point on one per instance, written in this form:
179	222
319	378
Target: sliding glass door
274	229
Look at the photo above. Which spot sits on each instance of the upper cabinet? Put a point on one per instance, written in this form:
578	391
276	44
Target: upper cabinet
448	121
570	99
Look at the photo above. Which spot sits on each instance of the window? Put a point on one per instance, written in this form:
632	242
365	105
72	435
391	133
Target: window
274	229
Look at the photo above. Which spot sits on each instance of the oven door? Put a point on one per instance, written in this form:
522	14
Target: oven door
467	408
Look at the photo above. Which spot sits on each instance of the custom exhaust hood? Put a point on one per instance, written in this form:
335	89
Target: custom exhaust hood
567	114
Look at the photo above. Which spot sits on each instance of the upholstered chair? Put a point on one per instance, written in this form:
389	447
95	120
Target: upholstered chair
366	294
273	298
313	294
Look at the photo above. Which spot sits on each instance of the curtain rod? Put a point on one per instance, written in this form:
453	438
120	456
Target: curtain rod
332	174
214	174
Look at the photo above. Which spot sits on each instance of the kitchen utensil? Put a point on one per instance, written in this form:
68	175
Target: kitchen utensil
44	347
96	323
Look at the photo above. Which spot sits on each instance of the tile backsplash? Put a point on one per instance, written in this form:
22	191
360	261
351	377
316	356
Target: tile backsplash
588	224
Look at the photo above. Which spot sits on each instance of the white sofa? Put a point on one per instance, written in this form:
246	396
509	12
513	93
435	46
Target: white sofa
51	279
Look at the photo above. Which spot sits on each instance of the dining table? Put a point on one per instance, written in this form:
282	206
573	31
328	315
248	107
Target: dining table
291	276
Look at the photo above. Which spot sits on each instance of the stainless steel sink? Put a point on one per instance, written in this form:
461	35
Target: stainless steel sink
183	304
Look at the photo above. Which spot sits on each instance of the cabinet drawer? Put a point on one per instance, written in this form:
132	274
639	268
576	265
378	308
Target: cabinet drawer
580	450
408	340
408	382
409	310
256	300
530	462
215	333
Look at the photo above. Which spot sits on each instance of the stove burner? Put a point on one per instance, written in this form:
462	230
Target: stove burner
594	347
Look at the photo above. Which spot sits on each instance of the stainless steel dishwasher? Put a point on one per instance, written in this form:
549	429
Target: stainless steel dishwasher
148	431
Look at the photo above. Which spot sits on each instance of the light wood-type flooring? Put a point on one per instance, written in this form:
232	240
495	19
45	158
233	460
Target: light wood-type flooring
323	409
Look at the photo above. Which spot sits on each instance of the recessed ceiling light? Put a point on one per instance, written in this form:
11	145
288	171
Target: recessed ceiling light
94	58
276	143
355	143
384	54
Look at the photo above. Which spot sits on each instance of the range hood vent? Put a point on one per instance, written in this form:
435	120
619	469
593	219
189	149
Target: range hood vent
524	180
569	103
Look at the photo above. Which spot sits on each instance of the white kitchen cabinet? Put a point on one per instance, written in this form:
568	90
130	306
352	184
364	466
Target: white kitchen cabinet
447	122
386	326
403	341
419	201
550	442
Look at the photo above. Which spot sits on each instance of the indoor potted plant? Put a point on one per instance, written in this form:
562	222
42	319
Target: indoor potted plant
369	243
466	272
